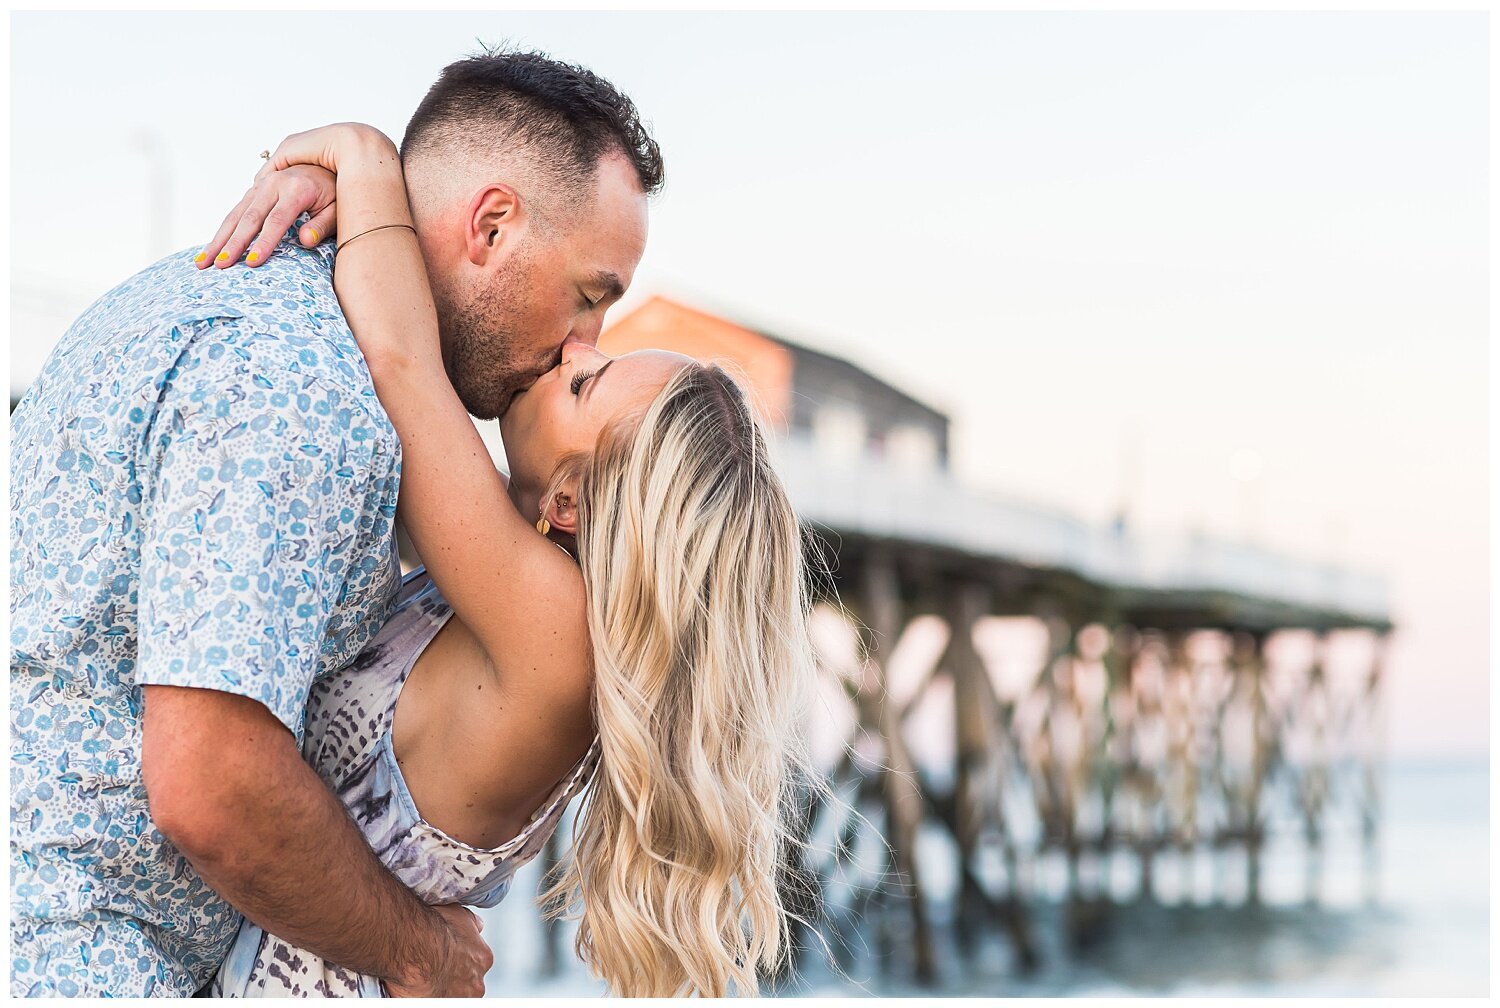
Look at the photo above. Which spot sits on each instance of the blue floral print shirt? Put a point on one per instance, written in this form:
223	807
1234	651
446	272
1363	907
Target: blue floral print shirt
203	485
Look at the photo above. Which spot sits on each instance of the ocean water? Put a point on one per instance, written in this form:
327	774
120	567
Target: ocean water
1416	924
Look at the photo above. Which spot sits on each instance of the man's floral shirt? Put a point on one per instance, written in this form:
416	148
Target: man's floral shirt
203	485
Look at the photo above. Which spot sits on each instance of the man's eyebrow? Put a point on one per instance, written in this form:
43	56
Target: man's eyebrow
609	282
595	380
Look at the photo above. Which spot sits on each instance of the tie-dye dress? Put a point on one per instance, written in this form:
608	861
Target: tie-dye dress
348	741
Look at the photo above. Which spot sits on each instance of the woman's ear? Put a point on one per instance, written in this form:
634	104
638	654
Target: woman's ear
562	509
494	211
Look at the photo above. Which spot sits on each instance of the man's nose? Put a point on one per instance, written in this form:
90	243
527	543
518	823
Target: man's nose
587	330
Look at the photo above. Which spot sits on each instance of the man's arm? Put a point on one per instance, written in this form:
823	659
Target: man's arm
228	787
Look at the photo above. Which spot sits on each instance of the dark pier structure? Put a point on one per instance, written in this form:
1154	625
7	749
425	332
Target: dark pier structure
1152	720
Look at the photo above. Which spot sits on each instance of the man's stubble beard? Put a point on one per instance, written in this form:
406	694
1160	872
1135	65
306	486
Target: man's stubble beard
479	353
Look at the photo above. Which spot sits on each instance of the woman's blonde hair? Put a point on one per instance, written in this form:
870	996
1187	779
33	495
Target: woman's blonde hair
692	560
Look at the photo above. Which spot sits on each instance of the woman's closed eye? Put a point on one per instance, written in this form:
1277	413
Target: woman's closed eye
579	379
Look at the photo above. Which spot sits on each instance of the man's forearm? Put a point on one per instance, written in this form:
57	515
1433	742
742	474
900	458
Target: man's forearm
304	873
267	834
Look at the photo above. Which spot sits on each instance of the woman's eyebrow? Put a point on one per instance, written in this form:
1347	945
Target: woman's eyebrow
595	380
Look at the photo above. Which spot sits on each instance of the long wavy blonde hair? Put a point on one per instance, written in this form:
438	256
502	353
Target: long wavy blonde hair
697	601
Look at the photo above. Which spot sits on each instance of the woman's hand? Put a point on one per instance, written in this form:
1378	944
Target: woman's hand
299	177
329	146
268	209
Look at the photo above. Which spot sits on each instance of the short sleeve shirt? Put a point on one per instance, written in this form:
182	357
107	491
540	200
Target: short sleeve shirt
203	486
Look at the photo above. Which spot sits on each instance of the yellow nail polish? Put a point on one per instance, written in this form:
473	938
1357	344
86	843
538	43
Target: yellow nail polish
253	257
314	233
200	257
223	257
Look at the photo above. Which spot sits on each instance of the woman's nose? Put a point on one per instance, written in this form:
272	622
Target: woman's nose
576	351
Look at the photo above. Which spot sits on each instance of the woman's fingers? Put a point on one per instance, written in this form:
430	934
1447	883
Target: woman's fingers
277	221
319	228
266	168
208	256
262	218
263	200
297	178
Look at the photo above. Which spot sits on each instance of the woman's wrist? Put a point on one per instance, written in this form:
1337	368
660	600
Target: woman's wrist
371	188
364	149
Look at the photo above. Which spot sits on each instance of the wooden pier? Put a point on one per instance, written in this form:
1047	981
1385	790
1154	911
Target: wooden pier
1150	725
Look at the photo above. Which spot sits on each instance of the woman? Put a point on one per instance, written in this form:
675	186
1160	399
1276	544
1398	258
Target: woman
670	661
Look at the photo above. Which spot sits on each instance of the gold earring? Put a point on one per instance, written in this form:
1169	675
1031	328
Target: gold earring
543	526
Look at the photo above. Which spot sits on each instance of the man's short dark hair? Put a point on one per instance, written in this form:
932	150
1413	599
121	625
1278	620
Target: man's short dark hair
567	115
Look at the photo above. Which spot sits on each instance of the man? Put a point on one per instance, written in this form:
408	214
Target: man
202	489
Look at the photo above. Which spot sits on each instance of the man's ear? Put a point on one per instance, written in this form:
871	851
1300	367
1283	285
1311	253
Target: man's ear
562	510
493	220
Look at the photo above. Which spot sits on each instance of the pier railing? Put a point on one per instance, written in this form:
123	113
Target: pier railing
877	499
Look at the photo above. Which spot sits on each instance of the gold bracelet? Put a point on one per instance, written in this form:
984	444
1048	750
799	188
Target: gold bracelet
340	247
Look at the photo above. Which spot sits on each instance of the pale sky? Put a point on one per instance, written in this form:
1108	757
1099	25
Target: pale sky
1198	234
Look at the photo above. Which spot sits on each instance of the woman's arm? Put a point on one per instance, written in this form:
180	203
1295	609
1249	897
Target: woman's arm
518	593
